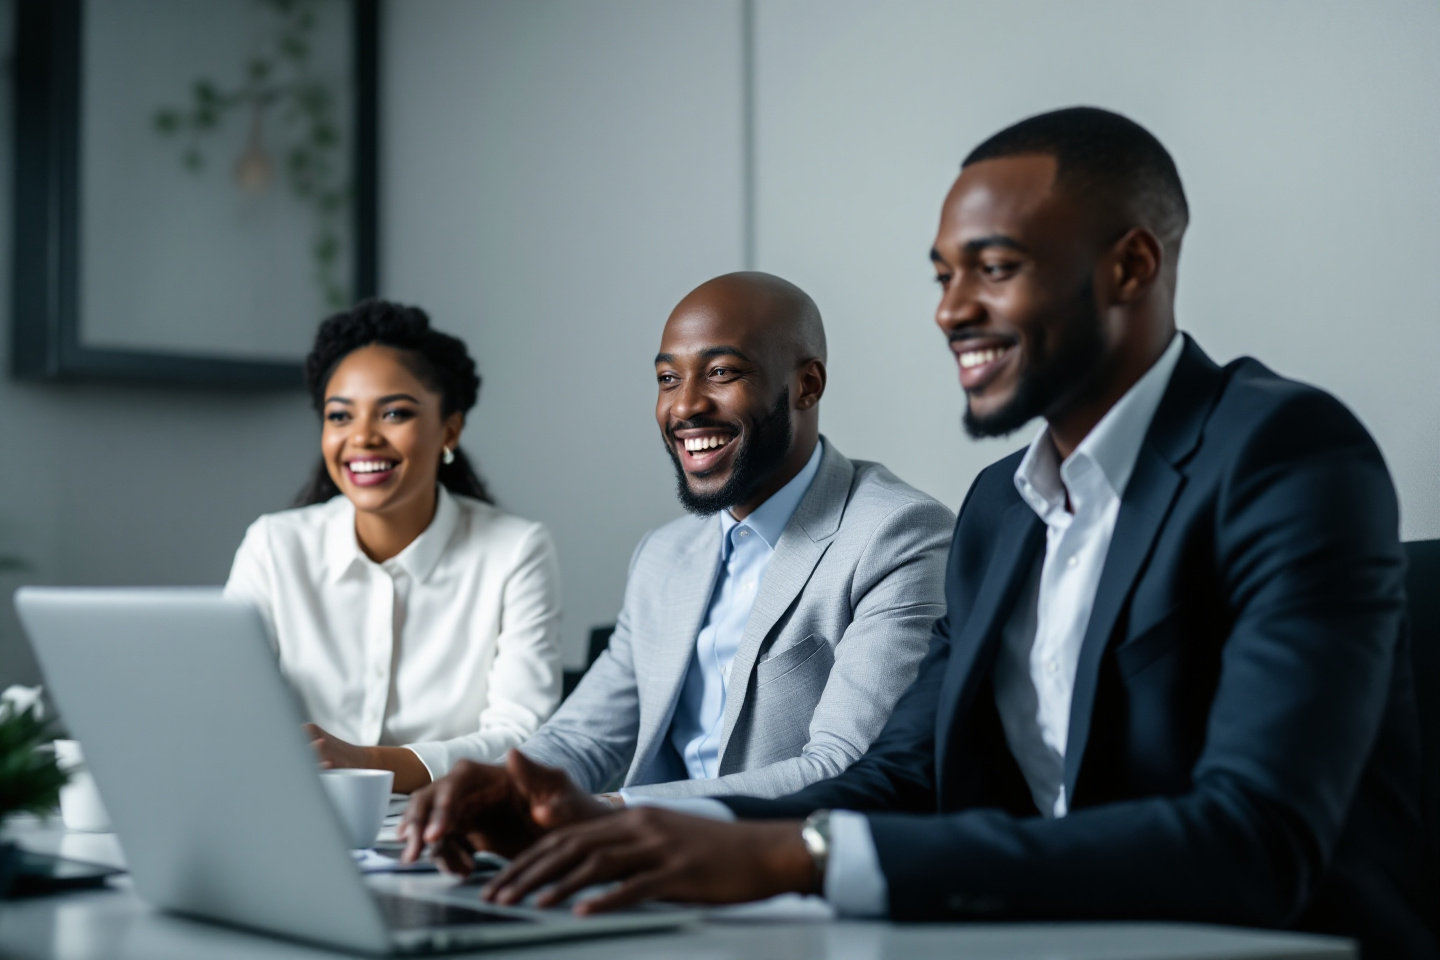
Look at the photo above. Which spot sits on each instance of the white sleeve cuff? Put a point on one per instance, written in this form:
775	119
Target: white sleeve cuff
434	756
707	807
854	883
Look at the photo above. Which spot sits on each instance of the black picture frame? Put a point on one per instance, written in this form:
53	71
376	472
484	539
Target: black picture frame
46	342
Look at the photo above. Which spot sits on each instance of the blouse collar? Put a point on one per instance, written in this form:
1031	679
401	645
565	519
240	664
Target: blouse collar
418	559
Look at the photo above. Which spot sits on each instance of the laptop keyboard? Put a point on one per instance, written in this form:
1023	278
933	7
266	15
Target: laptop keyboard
412	913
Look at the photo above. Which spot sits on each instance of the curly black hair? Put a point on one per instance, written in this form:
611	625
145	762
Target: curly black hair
439	360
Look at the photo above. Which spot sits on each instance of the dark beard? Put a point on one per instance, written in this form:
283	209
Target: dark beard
1077	353
758	459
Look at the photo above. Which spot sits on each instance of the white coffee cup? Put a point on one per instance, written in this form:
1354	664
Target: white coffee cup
361	798
80	806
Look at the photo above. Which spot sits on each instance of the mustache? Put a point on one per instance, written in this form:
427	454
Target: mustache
698	423
960	336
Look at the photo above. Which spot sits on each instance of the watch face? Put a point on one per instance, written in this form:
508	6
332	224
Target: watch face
815	834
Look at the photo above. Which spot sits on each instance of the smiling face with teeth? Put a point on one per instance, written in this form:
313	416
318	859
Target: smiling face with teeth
739	374
1046	312
383	438
1017	303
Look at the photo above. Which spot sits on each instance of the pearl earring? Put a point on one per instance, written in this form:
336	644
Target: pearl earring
449	456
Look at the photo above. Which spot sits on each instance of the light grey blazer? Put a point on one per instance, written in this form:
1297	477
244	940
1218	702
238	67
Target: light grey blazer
840	622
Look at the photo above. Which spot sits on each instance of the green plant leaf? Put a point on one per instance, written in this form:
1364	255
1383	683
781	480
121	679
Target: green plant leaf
30	780
167	121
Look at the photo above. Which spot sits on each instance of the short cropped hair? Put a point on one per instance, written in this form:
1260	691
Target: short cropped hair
1108	160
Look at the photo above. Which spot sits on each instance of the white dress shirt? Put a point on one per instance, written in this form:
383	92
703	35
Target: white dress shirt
1035	666
746	547
451	647
1040	649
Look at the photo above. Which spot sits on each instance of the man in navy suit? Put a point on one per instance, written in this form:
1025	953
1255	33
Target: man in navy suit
1171	681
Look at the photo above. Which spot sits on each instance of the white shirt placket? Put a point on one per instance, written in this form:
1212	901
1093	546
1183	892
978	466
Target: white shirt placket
379	651
1046	656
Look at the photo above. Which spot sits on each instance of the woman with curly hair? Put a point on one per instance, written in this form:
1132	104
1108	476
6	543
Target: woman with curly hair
418	623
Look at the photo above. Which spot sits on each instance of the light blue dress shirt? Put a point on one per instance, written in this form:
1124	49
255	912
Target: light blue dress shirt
746	547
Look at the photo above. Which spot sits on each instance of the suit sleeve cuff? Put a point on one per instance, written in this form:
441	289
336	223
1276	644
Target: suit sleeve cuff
854	883
707	807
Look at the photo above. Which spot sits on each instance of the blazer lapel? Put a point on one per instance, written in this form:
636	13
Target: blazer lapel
809	533
667	650
1152	489
1020	535
1155	483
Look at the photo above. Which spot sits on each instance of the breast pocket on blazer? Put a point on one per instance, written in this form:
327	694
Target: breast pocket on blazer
1154	643
808	655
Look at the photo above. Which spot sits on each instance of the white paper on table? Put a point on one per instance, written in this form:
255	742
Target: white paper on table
788	908
372	861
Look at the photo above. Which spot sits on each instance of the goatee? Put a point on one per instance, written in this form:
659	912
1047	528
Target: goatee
1077	352
755	462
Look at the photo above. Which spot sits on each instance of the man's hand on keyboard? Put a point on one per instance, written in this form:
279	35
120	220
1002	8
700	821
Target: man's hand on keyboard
502	809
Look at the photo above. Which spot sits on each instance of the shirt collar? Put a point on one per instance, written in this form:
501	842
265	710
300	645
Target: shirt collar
771	517
418	559
1112	446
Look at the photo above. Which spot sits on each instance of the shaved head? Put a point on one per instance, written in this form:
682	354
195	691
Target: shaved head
781	312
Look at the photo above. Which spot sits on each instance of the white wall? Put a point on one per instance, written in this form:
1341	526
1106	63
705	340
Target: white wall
557	173
1306	133
556	176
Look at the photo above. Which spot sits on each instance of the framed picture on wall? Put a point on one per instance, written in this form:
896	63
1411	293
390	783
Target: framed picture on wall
195	185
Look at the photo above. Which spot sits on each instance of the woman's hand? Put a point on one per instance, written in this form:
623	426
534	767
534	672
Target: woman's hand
334	753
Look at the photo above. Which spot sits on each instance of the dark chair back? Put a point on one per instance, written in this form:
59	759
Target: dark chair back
1422	586
599	640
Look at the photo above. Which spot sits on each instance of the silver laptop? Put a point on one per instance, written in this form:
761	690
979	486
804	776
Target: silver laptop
194	740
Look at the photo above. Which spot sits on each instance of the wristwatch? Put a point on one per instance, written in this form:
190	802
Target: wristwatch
815	833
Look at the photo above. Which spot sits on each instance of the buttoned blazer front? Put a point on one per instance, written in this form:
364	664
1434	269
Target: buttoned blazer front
840	622
1243	742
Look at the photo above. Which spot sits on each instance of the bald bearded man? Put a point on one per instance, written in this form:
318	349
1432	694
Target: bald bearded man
763	640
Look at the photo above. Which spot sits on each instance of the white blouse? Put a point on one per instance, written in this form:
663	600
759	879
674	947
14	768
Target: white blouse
451	647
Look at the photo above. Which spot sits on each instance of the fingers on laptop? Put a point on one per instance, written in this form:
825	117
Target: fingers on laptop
444	816
453	855
576	857
411	828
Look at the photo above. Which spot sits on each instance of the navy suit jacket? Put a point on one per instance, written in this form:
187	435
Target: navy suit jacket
1243	741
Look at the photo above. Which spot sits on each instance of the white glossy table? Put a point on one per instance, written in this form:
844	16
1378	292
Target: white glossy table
115	923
